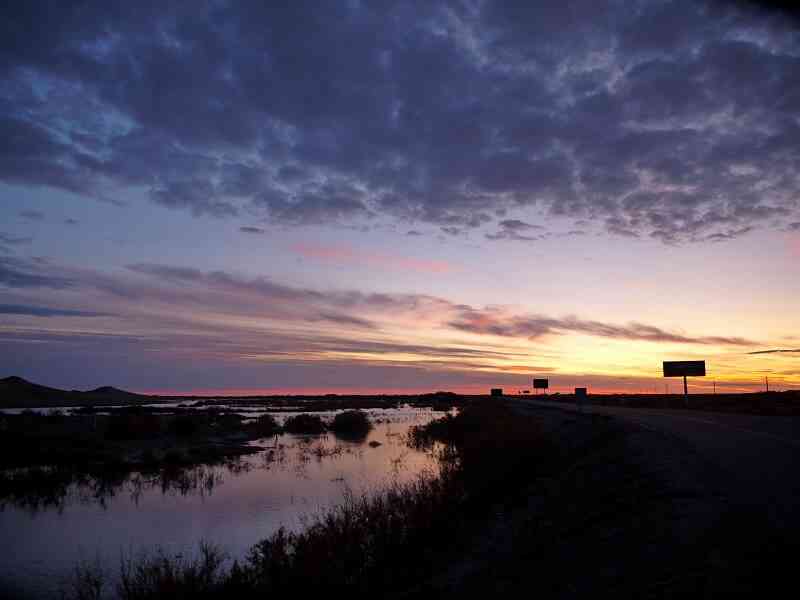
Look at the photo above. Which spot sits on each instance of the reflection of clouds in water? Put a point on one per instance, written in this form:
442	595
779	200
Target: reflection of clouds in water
236	504
338	462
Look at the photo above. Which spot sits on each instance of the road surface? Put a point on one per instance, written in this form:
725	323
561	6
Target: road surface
757	458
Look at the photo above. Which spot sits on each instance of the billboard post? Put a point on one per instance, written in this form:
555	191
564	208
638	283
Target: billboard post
580	397
685	368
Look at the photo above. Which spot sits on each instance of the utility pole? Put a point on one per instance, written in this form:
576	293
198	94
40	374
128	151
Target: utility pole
715	386
685	391
766	382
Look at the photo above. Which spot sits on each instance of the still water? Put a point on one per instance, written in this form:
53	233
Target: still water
235	506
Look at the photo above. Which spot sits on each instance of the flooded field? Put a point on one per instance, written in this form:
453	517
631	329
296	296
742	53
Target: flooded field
232	505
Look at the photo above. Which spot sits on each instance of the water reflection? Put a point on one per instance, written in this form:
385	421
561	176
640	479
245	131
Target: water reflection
57	517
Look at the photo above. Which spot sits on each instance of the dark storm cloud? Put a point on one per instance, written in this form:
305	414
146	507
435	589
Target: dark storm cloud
43	311
669	120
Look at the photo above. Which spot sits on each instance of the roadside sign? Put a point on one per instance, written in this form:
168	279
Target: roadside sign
685	368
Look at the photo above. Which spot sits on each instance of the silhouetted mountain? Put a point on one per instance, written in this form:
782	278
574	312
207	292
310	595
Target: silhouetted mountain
16	392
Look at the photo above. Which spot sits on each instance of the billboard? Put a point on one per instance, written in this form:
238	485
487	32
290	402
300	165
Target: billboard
497	392
540	384
681	368
580	392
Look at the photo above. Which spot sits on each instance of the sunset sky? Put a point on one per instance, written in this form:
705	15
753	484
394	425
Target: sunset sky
246	197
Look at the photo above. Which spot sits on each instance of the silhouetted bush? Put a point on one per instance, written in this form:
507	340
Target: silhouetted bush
148	457
133	427
494	447
304	423
351	423
228	422
183	426
265	425
173	457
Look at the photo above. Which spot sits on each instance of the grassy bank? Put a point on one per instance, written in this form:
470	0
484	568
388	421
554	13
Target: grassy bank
377	545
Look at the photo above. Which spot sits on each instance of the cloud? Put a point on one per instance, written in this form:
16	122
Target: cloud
231	293
179	323
221	296
728	235
662	121
32	215
43	311
253	230
18	273
777	351
490	322
7	241
514	229
199	363
71	222
342	319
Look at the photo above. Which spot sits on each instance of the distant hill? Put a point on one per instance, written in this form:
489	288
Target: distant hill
16	392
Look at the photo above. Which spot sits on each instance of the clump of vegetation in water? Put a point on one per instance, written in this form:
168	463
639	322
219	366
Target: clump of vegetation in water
265	425
304	423
351	423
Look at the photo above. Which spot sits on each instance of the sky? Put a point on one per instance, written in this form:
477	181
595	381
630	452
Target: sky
310	197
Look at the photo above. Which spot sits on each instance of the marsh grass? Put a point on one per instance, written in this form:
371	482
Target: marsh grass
162	575
88	581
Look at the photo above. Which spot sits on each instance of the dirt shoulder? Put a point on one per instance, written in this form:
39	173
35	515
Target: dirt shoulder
626	511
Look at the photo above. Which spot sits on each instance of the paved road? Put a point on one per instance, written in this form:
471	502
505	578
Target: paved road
758	457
